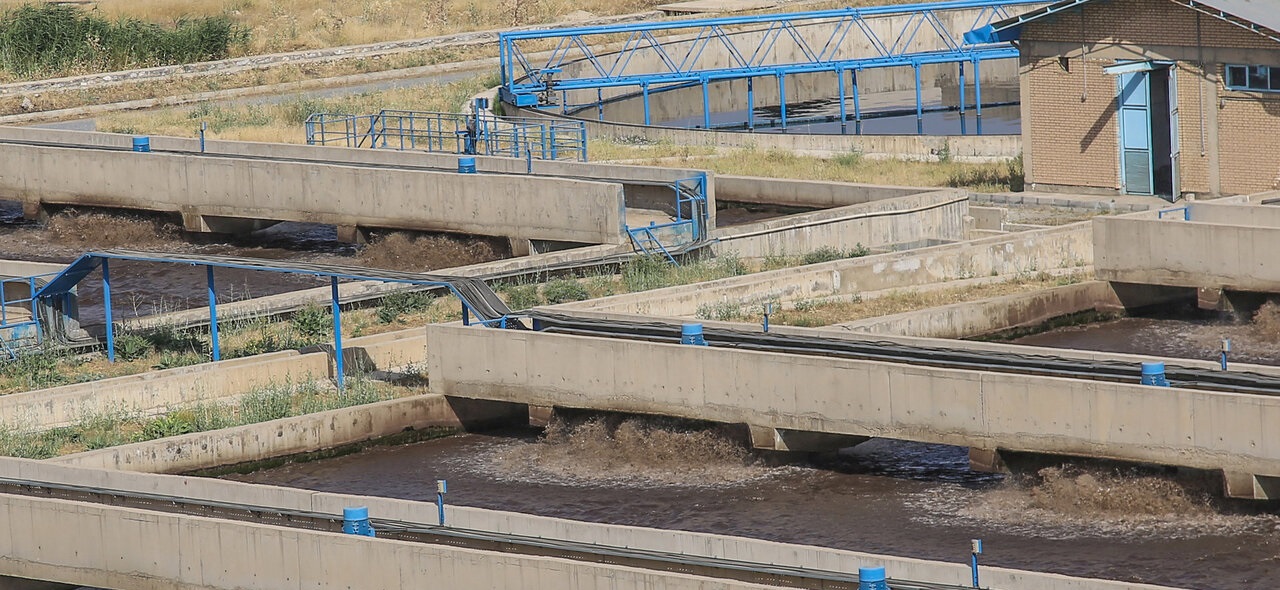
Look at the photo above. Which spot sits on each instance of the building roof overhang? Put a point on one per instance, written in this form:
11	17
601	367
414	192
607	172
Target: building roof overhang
1259	16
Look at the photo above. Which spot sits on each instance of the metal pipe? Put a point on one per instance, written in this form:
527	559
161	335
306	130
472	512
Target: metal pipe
599	104
644	91
215	349
337	334
962	121
782	99
751	104
840	89
706	106
106	307
857	106
977	94
919	102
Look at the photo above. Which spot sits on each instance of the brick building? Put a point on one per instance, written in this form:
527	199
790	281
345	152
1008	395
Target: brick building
1163	97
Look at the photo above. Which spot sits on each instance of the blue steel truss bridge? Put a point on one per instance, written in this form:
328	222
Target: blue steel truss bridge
641	57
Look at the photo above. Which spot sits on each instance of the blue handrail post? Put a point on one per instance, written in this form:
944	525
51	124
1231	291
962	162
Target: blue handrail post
919	102
782	98
977	94
106	307
442	487
962	121
339	372
215	349
843	110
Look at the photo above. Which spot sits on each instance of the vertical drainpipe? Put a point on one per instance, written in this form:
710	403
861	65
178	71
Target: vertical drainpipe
840	87
962	121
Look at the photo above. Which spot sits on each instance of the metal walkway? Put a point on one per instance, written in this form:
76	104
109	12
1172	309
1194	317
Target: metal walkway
868	349
530	84
476	296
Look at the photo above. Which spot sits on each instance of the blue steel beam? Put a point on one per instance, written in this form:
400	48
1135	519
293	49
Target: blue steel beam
521	77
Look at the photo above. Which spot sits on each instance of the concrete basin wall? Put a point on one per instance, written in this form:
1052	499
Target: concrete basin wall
986	316
199	186
804	193
681	542
277	438
161	391
1191	253
1067	246
936	215
1183	427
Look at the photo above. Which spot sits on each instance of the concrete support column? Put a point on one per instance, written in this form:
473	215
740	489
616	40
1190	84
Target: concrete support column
986	460
194	222
1250	486
776	439
34	211
520	246
352	234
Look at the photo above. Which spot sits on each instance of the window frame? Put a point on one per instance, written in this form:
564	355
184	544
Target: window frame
1248	72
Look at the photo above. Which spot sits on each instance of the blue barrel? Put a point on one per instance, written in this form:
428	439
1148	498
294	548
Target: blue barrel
1153	374
355	521
871	578
692	334
466	165
142	144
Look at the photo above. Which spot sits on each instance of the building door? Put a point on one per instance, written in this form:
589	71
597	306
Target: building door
1148	110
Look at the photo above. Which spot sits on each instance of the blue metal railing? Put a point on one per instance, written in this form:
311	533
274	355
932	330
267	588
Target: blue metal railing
689	224
648	244
15	328
457	133
780	48
1186	212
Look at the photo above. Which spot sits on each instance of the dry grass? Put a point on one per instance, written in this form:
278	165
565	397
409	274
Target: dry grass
287	25
988	177
216	81
826	313
283	122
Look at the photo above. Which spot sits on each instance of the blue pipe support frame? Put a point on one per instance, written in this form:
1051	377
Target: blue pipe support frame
751	103
106	307
962	121
857	106
339	372
782	98
523	82
215	351
840	89
977	95
644	90
919	103
706	106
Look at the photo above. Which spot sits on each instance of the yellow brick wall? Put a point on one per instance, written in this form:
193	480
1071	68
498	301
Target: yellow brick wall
1074	141
1079	149
1141	22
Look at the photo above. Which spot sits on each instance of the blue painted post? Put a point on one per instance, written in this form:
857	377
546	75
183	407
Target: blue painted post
840	87
782	99
216	350
552	133
106	307
442	487
692	334
599	104
1153	374
466	314
919	102
871	578
974	552
203	126
857	106
962	121
564	102
768	309
644	91
35	308
355	521
706	106
337	334
1226	347
751	104
977	95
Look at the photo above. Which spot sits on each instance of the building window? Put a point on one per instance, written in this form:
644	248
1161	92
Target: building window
1263	78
